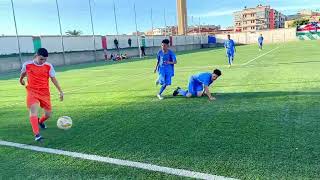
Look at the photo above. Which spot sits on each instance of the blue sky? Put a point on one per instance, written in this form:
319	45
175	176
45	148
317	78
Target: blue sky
39	17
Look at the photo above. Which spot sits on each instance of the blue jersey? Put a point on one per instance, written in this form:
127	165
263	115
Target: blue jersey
163	58
203	78
229	45
260	39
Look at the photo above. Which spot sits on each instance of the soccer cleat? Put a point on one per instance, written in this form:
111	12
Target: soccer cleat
38	137
159	97
176	92
42	125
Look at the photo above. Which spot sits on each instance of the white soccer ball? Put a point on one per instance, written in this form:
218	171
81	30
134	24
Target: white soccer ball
64	122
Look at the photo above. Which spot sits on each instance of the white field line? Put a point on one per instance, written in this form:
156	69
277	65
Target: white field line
120	162
260	56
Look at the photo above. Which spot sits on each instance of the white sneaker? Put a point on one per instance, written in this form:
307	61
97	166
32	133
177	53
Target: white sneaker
159	97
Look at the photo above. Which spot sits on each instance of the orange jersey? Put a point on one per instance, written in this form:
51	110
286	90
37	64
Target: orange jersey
38	83
38	76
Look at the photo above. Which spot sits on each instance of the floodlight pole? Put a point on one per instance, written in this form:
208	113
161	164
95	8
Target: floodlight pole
17	35
137	36
116	22
200	31
93	35
61	35
165	23
152	31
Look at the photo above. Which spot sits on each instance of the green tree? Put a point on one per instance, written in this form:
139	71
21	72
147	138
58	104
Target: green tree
300	22
73	33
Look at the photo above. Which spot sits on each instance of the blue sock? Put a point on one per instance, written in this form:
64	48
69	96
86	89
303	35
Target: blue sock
163	87
230	61
182	92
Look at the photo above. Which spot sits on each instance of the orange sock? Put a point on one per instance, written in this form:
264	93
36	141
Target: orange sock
43	119
34	124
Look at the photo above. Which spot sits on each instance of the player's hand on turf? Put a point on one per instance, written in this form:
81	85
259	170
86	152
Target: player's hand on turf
22	82
61	96
212	98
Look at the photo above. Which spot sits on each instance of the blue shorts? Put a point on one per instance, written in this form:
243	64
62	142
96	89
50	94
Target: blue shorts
194	86
230	54
164	79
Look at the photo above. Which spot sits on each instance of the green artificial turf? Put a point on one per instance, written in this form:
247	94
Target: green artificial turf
263	125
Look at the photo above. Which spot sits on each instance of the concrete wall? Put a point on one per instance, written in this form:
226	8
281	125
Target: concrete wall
9	44
12	63
81	49
271	36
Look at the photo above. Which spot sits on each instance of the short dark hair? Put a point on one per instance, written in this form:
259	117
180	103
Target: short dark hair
165	41
42	52
217	72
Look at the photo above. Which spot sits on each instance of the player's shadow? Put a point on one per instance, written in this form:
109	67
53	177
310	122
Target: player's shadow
276	64
192	129
271	83
265	94
241	95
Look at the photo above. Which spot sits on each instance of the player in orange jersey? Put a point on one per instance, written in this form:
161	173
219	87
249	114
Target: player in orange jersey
38	72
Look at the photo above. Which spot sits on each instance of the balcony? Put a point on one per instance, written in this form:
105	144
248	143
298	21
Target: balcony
248	18
249	25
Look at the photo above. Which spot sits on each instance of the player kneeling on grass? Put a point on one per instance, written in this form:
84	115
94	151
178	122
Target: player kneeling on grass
199	85
38	72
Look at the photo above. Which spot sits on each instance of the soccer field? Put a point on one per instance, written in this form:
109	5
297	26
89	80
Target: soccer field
263	125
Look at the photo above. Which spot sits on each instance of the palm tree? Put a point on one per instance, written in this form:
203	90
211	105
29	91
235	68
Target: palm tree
73	33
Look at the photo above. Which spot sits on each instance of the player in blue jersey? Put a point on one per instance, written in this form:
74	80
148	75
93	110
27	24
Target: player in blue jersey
230	50
199	85
260	42
165	66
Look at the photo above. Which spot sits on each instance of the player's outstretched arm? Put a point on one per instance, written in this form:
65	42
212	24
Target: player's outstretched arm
22	76
208	93
155	69
56	83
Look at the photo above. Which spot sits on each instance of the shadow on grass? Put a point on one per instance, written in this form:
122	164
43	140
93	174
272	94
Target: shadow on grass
249	134
276	64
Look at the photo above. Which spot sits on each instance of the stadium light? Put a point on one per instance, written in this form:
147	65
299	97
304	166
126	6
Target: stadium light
17	35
